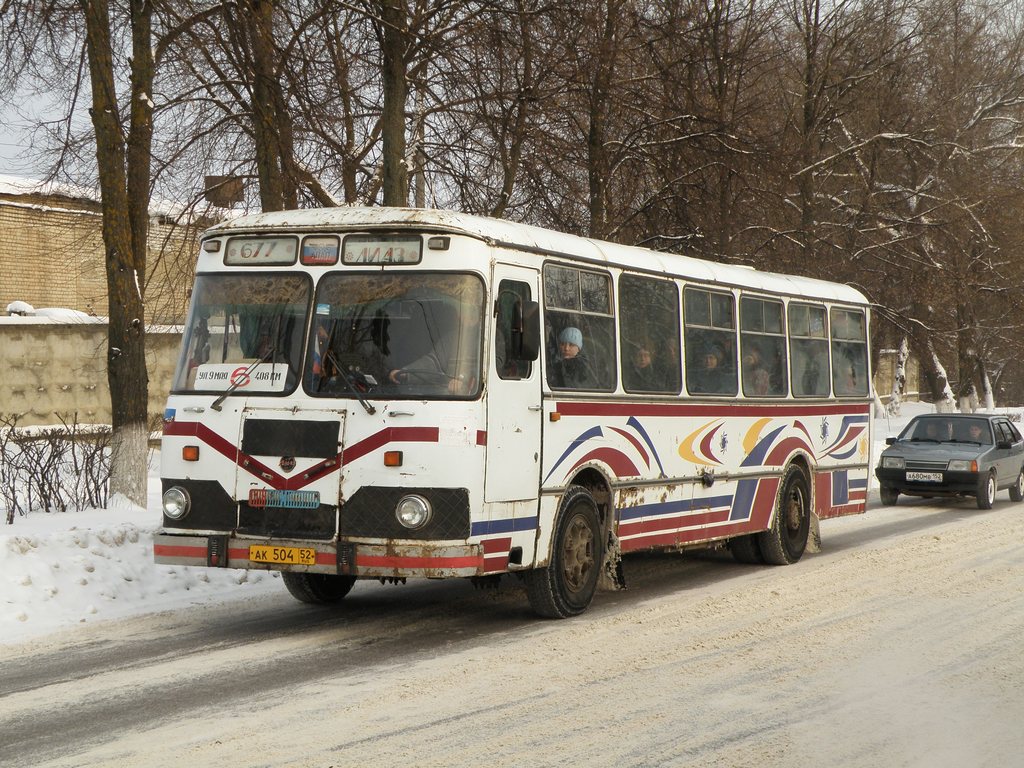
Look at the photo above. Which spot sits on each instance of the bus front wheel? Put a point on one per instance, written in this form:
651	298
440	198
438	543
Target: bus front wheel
317	588
567	585
785	541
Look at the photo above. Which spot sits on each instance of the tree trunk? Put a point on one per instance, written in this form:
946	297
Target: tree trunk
396	91
126	349
899	379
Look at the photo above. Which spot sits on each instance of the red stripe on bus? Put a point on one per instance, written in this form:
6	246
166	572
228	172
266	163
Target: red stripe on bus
725	409
497	545
179	550
673	525
428	563
389	435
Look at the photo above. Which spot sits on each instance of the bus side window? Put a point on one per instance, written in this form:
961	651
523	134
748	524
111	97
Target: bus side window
849	352
808	342
763	348
579	329
649	334
710	341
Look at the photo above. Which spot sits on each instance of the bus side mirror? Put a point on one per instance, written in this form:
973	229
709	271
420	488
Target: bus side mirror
526	331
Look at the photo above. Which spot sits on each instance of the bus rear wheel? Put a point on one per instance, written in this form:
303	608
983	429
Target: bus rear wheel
567	585
784	543
317	588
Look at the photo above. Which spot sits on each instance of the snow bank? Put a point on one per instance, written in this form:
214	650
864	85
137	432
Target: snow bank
58	570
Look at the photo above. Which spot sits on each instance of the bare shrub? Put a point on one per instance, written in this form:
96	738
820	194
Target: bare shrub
53	469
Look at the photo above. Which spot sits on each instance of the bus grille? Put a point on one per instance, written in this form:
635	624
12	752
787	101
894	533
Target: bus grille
371	513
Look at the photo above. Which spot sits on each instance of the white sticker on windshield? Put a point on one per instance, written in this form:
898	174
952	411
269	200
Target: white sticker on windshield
265	377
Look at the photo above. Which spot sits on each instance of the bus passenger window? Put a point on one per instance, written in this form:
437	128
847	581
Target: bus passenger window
579	329
849	352
710	339
763	348
649	334
808	342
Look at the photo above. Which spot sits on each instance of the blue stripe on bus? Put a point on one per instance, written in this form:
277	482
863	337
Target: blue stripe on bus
743	502
508	525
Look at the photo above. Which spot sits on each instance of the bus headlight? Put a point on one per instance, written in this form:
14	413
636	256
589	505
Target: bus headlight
892	462
413	511
176	503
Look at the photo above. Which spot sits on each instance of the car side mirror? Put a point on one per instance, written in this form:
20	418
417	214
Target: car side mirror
890	440
1004	445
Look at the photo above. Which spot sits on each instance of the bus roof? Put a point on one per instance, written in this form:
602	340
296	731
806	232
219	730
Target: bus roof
524	236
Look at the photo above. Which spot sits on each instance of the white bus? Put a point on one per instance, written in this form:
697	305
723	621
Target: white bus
378	393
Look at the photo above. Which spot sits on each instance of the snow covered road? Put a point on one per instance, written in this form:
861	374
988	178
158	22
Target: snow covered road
899	645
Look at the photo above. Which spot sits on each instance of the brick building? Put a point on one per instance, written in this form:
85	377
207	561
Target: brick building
51	252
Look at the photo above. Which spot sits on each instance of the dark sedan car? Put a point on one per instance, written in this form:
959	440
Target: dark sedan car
953	455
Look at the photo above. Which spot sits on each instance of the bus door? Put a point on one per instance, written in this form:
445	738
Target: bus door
512	470
289	459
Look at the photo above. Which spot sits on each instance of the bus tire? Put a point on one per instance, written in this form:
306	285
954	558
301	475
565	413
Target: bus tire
745	550
784	543
317	588
567	585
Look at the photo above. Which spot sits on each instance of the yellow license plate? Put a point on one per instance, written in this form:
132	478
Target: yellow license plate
261	553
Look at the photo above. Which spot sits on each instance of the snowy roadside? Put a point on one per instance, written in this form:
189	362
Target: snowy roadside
59	570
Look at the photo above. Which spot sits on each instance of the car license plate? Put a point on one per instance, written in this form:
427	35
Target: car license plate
261	553
925	477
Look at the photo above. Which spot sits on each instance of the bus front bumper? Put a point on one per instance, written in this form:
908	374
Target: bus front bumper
364	560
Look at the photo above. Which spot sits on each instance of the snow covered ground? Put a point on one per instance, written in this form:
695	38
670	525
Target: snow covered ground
59	570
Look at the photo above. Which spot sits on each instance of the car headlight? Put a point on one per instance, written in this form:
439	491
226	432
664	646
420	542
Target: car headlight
962	465
413	511
176	503
892	462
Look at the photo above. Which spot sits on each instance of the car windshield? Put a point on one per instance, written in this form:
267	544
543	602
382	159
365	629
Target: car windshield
411	335
244	332
941	430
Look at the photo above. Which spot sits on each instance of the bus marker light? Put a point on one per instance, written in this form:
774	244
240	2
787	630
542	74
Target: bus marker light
392	458
190	453
554	416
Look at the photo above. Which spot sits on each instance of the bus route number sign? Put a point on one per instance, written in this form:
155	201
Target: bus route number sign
382	249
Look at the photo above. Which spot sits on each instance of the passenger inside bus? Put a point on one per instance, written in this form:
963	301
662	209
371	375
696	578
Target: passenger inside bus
571	369
710	373
643	373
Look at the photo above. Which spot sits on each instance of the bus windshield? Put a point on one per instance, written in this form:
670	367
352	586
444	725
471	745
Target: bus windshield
244	333
411	335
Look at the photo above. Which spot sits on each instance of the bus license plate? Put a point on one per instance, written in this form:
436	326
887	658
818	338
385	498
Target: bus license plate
261	553
925	477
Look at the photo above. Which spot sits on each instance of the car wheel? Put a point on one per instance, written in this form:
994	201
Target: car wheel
889	495
1017	489
986	491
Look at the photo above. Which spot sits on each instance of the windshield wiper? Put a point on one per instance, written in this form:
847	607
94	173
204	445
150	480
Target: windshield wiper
243	378
348	383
